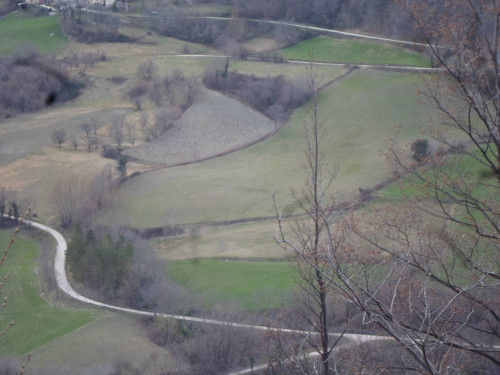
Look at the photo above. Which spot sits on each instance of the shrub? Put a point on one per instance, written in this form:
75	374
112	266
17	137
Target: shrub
420	149
110	152
118	80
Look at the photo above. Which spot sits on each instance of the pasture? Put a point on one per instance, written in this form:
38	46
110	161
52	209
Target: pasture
42	33
251	286
253	240
354	51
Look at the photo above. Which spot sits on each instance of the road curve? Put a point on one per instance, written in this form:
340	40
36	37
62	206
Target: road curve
65	286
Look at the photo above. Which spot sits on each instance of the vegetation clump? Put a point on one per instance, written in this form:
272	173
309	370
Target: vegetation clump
276	97
29	83
120	268
93	27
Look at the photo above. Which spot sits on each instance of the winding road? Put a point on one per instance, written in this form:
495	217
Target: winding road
65	286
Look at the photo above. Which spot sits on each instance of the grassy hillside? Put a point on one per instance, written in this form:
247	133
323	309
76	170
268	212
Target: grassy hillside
36	321
354	51
43	33
240	185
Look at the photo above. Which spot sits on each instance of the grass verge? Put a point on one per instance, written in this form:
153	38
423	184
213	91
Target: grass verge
36	322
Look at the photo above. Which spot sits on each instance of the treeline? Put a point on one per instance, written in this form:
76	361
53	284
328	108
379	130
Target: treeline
93	27
208	348
28	83
12	204
379	16
276	97
99	263
226	34
375	15
117	266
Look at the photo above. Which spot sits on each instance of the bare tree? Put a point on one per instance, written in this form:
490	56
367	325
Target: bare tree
147	70
162	123
311	243
136	94
3	202
69	196
132	138
426	272
116	131
58	136
86	128
168	82
74	142
94	125
143	121
156	93
193	87
92	143
464	41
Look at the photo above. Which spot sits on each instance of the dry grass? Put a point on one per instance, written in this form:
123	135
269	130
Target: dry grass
94	347
257	45
243	241
35	176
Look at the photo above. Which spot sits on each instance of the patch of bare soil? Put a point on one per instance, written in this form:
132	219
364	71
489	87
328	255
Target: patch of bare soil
212	126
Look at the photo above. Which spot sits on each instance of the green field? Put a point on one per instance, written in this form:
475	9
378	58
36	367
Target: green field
17	32
354	51
248	285
358	122
36	321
